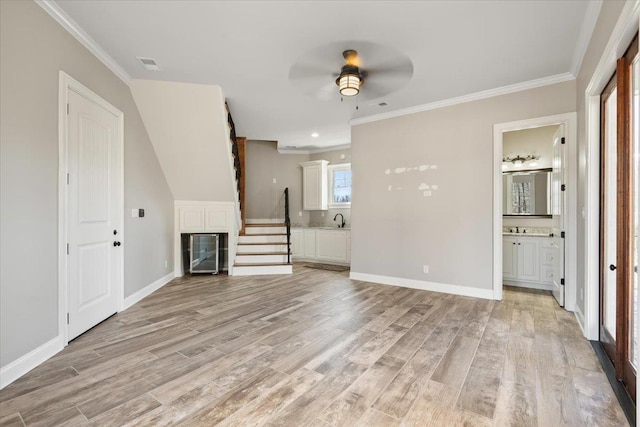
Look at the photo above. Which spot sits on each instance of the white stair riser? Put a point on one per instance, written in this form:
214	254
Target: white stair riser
264	230
262	239
262	269
261	248
262	258
264	221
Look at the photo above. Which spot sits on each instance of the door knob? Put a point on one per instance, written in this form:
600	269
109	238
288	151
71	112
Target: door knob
116	243
612	267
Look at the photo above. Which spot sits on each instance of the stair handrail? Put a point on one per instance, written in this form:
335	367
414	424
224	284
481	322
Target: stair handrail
287	222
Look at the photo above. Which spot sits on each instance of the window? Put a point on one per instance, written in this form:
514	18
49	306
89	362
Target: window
340	185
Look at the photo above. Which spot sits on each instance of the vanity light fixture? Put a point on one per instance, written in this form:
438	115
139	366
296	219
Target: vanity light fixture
519	160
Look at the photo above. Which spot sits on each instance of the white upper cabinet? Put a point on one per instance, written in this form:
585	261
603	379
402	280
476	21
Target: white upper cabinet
314	185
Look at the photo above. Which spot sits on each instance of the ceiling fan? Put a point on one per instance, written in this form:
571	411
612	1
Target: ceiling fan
366	69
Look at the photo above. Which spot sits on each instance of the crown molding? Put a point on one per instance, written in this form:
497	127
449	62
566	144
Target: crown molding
584	37
56	12
490	93
316	150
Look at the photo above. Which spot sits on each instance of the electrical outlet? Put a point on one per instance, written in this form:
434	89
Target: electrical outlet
425	269
274	180
135	213
299	213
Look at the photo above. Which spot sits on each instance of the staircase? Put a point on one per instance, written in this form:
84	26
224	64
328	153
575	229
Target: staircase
262	249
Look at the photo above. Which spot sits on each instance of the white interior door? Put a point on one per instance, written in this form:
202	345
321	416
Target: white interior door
558	214
94	213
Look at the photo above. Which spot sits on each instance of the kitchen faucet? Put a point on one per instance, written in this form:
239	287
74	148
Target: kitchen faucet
339	225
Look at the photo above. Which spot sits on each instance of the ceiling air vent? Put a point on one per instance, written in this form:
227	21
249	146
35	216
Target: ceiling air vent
149	64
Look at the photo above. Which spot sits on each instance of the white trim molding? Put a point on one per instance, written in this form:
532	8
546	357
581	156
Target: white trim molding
24	364
467	291
584	37
490	93
622	34
571	129
56	12
147	290
313	150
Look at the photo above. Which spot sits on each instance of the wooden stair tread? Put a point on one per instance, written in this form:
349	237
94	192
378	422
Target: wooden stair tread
261	264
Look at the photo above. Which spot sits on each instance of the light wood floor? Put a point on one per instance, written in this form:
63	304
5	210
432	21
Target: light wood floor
319	349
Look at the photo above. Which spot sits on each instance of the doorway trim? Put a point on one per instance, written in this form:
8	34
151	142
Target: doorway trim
66	84
569	120
621	36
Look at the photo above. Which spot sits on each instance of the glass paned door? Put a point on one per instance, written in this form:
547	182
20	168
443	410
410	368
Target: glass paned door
620	218
608	218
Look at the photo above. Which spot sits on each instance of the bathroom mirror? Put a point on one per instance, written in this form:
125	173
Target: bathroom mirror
526	193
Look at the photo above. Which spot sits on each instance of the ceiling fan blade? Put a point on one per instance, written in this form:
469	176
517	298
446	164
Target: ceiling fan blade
304	71
384	70
379	85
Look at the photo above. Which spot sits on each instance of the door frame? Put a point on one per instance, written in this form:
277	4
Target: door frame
67	83
622	34
569	120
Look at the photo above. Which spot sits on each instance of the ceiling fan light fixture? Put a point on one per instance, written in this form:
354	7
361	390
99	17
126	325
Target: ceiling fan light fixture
349	83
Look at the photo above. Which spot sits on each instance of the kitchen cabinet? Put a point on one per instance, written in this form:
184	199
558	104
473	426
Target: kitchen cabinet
527	261
309	243
331	245
326	245
314	185
297	242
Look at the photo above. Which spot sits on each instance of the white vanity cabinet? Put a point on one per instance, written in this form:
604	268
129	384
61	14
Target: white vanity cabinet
326	245
527	261
314	185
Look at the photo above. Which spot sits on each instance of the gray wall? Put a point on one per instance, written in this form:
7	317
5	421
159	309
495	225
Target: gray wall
396	228
264	198
33	49
606	22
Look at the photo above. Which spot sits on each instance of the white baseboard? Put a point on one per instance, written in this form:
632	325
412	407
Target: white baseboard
24	364
580	318
425	286
540	286
147	290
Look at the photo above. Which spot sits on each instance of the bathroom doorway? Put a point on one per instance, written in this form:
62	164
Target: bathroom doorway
534	206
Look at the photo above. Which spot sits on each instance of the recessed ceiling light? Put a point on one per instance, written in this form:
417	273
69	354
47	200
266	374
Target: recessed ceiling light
315	135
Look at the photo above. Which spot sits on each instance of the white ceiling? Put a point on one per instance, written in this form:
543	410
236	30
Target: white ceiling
248	47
